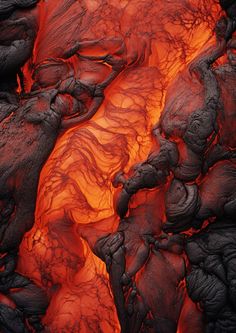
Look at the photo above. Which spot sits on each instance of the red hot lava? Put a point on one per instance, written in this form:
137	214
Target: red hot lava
138	47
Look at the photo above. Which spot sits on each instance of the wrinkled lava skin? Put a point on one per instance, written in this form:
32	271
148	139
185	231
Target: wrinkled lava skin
196	161
82	84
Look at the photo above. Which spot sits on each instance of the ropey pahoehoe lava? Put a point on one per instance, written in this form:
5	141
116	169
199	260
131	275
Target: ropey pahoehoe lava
117	167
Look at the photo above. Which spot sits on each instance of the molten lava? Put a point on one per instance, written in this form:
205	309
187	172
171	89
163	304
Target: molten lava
75	193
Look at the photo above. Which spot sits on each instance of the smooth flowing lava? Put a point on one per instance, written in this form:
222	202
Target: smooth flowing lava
87	81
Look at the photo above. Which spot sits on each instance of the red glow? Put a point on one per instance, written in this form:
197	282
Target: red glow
75	194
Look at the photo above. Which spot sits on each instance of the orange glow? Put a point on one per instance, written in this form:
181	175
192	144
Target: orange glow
75	193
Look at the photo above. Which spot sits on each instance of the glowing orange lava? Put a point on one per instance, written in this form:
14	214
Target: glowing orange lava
75	194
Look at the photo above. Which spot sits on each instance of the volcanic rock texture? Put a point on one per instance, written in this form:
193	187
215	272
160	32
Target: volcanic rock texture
117	166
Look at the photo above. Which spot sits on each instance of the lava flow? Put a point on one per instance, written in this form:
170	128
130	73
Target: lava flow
155	40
